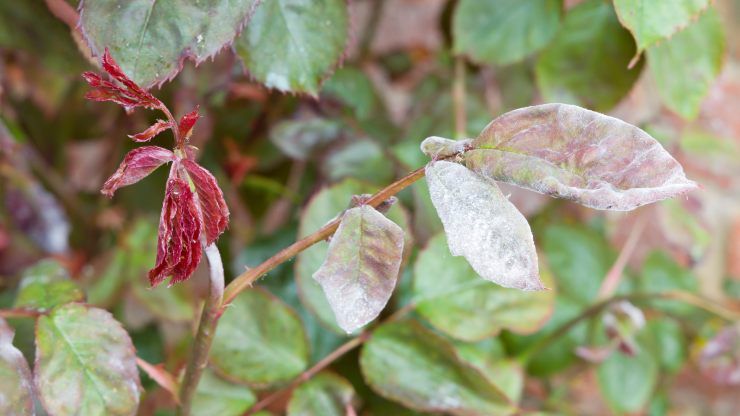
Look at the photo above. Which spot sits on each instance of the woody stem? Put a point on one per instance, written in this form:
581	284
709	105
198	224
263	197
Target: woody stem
206	330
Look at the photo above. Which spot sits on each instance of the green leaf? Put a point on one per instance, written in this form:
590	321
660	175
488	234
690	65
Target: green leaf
651	21
483	226
300	139
586	64
85	363
666	342
504	31
579	258
489	357
361	267
360	158
686	65
16	383
661	274
292	45
326	394
409	364
628	382
216	396
569	152
259	341
151	39
452	297
169	303
352	87
46	285
322	208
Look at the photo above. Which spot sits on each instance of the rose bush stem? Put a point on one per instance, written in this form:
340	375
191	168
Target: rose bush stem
246	279
206	330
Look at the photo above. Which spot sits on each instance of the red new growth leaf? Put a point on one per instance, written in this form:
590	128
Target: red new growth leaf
129	94
152	131
187	122
178	244
212	205
137	164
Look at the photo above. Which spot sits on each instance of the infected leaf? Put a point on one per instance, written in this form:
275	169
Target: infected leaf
46	285
439	147
85	363
483	226
136	165
16	383
577	154
211	199
179	249
361	267
151	132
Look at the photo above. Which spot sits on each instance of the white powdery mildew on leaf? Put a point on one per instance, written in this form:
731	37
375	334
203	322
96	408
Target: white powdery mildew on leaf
361	268
439	147
15	380
483	226
569	152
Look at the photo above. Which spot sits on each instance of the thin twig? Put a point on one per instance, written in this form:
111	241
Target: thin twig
18	313
614	276
246	279
308	374
458	98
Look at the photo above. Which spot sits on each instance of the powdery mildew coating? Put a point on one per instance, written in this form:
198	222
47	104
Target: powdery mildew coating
15	384
361	268
569	152
483	226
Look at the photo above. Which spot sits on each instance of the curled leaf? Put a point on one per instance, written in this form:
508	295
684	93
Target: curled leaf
137	164
185	126
569	152
152	131
129	94
439	147
211	199
178	244
361	268
483	226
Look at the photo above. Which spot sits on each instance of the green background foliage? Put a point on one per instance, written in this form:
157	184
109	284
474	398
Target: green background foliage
307	103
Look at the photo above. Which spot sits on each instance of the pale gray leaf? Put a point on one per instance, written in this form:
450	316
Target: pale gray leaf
483	226
361	268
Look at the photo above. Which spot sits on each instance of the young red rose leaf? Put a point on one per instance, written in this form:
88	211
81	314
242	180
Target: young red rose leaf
187	122
483	226
16	383
211	199
137	164
152	131
569	152
361	267
179	248
129	95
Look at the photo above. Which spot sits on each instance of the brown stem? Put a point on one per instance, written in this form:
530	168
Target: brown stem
18	313
246	279
206	330
306	375
458	98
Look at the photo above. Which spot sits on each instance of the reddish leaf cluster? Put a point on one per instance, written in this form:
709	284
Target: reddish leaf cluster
185	214
178	244
127	93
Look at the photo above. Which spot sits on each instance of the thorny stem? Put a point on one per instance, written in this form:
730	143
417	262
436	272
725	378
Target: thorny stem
249	276
206	330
